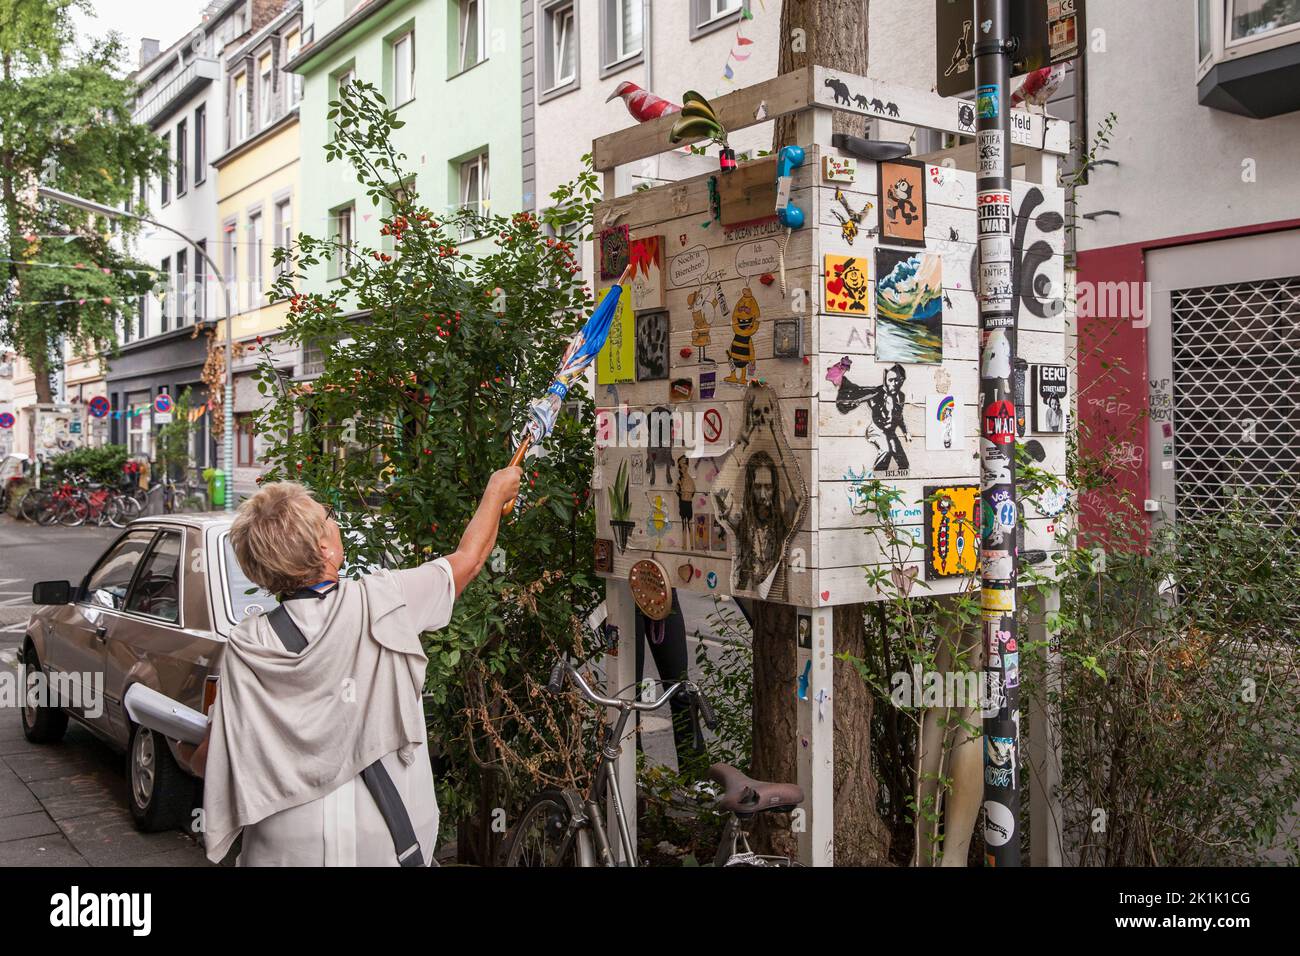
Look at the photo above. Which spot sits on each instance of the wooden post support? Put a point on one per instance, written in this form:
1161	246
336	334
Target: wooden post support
816	739
1045	819
620	672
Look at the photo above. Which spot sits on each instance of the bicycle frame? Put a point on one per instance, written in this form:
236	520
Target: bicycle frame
603	775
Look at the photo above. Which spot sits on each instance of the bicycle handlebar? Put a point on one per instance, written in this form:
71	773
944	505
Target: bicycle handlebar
556	684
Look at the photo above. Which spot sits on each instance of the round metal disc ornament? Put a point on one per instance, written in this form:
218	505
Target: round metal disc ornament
651	589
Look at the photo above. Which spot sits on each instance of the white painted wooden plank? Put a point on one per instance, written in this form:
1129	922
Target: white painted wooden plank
900	104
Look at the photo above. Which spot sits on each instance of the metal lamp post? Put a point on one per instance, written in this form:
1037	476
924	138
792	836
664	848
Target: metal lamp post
997	278
89	205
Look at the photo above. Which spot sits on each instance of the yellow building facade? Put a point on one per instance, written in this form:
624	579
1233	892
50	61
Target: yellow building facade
257	211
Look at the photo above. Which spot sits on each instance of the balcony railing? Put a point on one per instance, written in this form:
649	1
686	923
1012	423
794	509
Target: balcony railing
172	96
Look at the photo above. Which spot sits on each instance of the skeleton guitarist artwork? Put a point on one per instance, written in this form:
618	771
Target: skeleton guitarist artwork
760	495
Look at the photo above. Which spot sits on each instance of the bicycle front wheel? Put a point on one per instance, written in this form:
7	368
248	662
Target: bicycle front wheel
541	838
74	512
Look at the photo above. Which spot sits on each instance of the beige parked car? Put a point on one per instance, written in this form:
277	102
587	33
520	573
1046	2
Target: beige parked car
155	608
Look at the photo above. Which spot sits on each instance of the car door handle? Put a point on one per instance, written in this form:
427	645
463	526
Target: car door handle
101	633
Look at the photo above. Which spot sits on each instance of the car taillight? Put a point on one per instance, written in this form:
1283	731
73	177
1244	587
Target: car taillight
209	694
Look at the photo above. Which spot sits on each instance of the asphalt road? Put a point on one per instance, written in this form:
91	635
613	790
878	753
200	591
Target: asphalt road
30	553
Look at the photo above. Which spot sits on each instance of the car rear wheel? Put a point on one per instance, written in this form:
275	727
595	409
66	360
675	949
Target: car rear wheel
42	724
161	794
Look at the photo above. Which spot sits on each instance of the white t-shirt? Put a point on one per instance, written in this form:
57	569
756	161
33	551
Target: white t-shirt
345	827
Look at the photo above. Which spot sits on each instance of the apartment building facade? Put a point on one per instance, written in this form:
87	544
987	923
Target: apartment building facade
1189	247
257	201
578	52
163	349
450	71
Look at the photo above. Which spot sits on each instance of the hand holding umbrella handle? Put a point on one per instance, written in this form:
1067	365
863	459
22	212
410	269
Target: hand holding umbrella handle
515	462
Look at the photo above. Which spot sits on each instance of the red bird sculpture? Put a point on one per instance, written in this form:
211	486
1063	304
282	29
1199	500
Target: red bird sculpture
1039	86
642	104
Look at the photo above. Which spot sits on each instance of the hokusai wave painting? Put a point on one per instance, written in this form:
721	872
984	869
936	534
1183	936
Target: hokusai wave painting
909	307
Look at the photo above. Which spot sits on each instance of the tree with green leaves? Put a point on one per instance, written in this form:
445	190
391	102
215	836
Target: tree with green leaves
65	122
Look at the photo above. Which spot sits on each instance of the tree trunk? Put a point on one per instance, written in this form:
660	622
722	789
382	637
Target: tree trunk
834	34
41	376
861	837
776	726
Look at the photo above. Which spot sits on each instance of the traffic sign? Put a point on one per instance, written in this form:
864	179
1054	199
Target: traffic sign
6	420
163	403
99	406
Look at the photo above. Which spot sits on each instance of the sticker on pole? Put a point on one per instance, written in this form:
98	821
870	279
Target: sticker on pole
99	406
1000	422
163	403
993	209
6	420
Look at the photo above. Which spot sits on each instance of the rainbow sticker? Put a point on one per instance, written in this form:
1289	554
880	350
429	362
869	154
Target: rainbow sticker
946	406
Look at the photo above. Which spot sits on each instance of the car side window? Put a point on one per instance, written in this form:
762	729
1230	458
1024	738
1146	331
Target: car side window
110	579
157	590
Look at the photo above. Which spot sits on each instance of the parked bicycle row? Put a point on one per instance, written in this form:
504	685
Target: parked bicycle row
73	498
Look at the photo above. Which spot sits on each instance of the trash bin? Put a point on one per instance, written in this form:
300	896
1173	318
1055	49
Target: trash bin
217	490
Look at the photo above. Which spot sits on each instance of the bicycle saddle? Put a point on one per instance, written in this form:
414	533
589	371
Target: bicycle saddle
875	150
745	796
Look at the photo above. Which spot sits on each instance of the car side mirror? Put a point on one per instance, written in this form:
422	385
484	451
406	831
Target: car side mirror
51	592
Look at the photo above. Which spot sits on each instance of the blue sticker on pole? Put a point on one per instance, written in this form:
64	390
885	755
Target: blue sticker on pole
986	102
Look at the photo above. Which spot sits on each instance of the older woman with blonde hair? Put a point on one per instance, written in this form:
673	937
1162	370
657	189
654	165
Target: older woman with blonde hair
317	749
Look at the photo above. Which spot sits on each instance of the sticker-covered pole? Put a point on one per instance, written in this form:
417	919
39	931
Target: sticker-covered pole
993	50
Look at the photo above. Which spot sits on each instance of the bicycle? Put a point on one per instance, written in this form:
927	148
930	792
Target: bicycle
562	827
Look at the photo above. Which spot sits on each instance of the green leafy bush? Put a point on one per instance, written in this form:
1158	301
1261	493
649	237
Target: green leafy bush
102	464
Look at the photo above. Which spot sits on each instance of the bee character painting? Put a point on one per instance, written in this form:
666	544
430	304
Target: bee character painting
901	187
744	323
759	498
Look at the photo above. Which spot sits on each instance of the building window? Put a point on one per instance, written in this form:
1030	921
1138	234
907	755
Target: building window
142	327
292	44
200	281
471	33
137	427
283	232
341	82
166	304
1248	19
404	68
255	260
200	144
230	265
264	92
241	109
343	236
710	15
182	287
475	184
246	440
182	164
559	47
165	186
621	32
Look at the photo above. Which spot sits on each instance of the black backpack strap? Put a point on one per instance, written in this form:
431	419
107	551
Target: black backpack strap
389	801
376	778
286	630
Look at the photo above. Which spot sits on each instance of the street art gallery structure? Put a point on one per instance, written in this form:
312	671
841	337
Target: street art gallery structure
822	325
